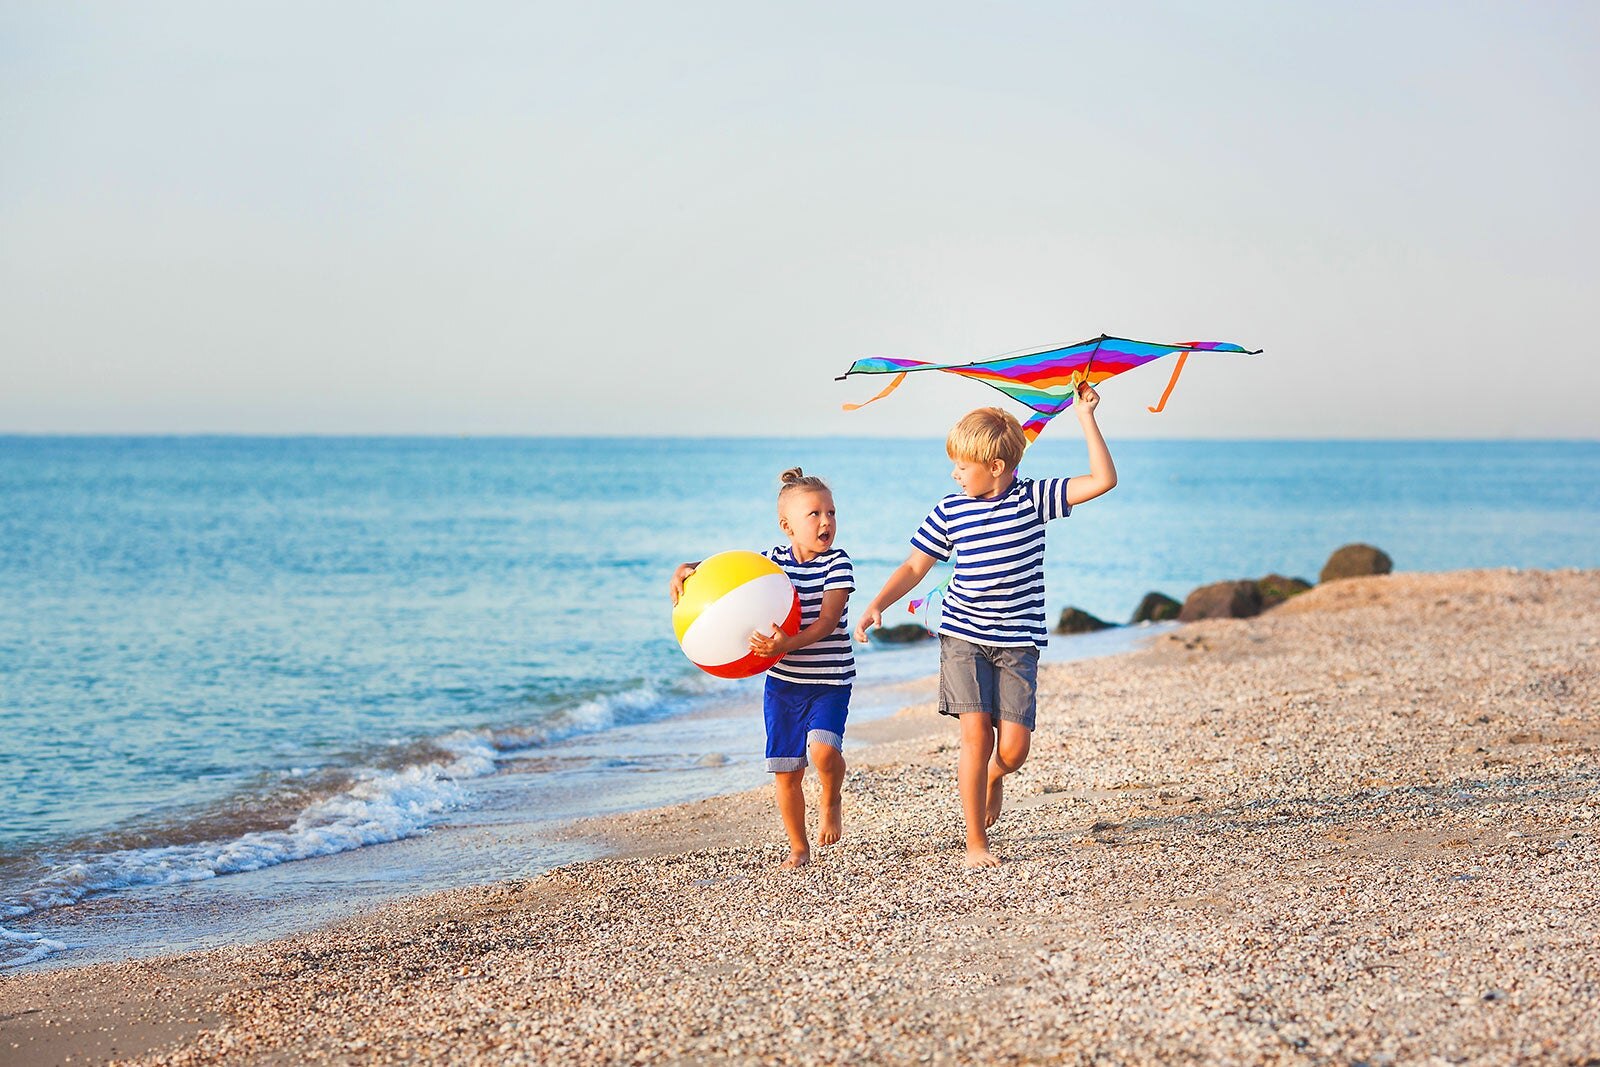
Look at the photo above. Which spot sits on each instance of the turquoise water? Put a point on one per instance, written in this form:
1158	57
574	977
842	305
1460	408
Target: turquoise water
225	654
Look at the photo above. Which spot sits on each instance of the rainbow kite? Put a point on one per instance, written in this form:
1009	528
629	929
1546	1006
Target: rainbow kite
1047	380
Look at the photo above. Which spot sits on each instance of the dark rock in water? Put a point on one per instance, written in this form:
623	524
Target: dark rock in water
904	634
1156	607
1275	589
1356	561
1222	600
1078	621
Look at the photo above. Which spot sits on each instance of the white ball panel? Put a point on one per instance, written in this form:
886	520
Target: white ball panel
722	632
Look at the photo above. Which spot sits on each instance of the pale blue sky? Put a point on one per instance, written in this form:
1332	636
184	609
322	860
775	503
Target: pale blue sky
687	219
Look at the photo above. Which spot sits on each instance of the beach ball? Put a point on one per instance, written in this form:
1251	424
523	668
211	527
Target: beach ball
728	597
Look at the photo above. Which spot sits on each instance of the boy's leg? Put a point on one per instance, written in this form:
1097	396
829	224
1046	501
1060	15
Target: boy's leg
1010	750
792	810
972	779
1016	704
967	690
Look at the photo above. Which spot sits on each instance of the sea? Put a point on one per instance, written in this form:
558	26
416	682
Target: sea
249	685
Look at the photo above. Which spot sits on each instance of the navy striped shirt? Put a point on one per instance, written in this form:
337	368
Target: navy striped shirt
996	596
832	660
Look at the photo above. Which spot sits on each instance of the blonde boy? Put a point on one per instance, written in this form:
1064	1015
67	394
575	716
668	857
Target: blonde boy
992	624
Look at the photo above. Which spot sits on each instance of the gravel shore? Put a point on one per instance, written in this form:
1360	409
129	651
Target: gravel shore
1361	828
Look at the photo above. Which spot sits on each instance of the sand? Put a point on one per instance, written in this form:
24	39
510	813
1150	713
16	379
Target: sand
1361	828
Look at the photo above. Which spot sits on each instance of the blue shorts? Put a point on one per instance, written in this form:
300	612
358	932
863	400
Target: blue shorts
798	715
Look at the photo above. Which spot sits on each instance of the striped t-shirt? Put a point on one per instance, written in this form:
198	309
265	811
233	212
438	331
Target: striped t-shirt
996	596
832	660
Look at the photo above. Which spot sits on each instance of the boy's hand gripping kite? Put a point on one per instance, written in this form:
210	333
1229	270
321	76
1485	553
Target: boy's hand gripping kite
1047	379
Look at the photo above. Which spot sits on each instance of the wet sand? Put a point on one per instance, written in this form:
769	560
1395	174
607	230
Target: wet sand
1364	827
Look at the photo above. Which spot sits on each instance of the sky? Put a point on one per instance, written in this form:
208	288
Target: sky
688	219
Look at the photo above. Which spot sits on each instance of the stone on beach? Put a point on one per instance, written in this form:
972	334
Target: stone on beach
1276	588
1355	561
1156	607
903	634
1222	600
1078	621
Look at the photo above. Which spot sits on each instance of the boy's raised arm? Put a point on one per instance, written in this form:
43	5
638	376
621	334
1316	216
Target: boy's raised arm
1102	476
902	581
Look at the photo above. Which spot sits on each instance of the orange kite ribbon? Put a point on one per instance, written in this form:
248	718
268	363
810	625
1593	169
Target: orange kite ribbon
1170	383
891	387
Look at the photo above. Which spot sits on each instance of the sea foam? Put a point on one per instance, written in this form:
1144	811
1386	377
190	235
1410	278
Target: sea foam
381	806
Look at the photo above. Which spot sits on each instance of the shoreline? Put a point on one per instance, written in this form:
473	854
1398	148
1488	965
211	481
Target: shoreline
509	822
1364	824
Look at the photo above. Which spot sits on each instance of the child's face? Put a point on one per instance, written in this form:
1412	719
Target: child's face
807	516
980	480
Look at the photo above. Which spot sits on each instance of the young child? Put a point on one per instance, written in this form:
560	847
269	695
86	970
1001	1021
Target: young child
991	623
808	689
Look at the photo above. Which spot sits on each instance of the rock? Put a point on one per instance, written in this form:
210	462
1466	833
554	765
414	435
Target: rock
904	634
1078	621
1356	561
1275	589
1156	607
1222	600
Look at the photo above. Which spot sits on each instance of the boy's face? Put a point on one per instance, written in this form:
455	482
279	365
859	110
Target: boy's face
807	516
980	480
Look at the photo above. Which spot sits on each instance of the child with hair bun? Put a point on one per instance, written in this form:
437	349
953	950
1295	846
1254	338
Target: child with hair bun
807	693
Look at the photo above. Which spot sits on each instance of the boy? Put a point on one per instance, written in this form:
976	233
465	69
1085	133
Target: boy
991	624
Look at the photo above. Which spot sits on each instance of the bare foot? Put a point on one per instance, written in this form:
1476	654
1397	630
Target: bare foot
832	820
997	796
797	858
980	857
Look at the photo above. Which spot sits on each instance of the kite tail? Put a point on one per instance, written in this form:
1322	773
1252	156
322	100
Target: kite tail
926	598
891	387
1170	383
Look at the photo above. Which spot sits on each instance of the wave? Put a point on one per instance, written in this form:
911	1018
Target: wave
380	806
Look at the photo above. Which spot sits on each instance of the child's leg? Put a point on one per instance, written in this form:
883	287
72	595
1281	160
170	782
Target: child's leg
784	711
972	779
829	762
1010	750
825	742
792	810
1016	705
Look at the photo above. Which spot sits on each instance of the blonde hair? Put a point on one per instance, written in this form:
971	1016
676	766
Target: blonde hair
985	435
795	479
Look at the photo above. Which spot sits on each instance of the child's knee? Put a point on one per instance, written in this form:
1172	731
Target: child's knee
1010	761
826	758
1011	751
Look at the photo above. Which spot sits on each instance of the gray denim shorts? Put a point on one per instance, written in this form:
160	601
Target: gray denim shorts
1001	680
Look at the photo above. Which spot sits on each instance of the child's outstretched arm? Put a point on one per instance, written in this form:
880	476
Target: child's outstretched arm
1102	476
902	581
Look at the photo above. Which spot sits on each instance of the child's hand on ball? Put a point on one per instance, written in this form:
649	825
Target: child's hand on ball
771	646
680	576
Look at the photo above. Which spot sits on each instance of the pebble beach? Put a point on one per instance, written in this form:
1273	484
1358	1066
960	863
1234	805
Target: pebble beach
1363	827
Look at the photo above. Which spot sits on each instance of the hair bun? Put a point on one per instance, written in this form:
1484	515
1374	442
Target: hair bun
792	475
